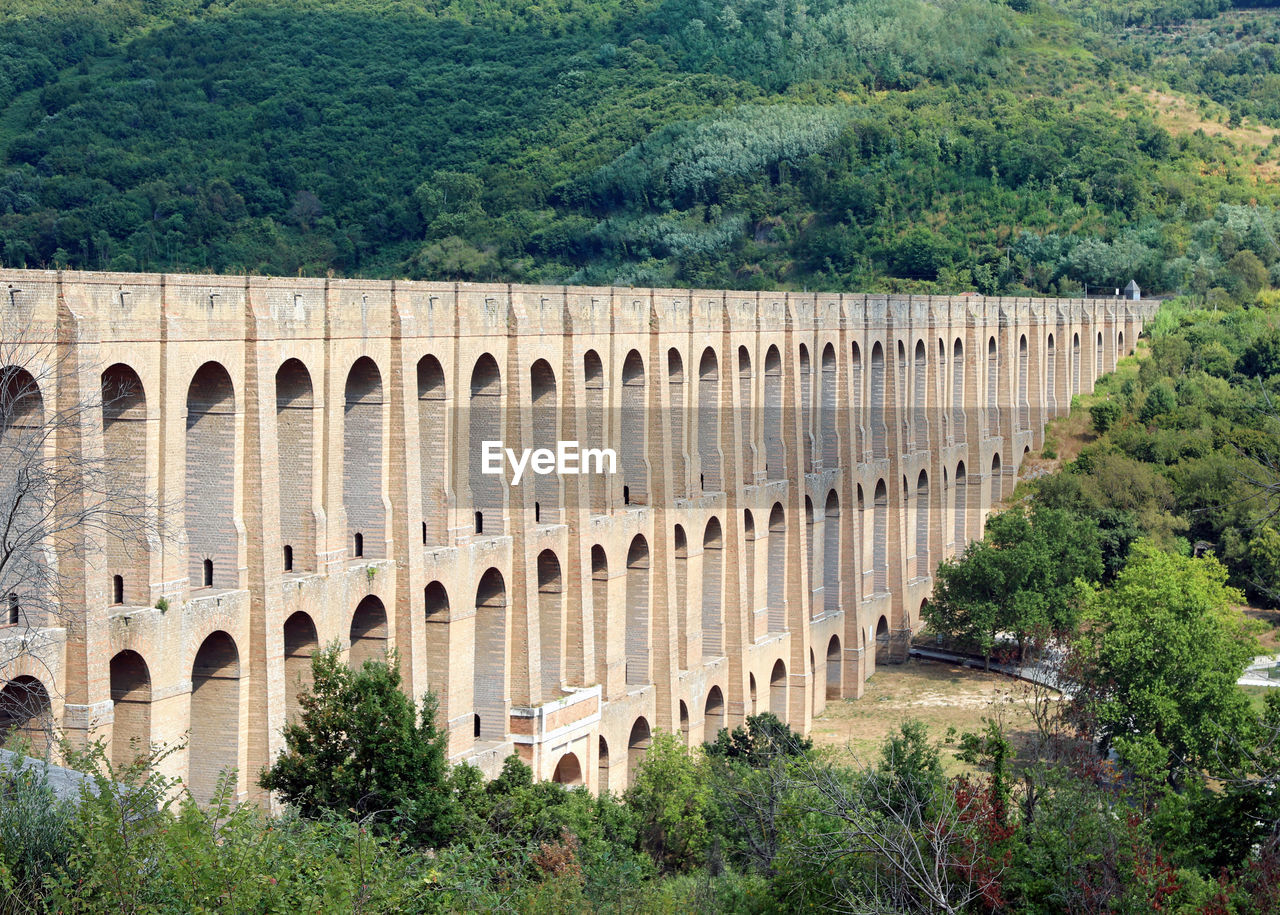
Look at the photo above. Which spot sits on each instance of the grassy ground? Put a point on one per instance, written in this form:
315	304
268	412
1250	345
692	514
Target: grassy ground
940	695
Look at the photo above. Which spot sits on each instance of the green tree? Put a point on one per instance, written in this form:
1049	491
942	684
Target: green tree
359	748
671	798
1158	665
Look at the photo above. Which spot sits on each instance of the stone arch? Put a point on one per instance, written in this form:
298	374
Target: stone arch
831	578
879	391
433	425
635	472
637	636
1051	374
26	714
857	401
368	632
131	698
1024	384
676	419
600	608
920	398
568	770
827	404
1098	358
922	524
806	409
602	764
214	744
749	567
778	690
485	425
959	535
551	621
880	538
957	387
810	555
774	456
362	459
594	437
996	483
751	694
300	643
211	453
776	571
682	610
124	452
545	432
295	438
489	658
835	686
638	744
709	421
745	394
1075	364
712	583
713	714
435	601
684	721
993	388
1120	353
882	641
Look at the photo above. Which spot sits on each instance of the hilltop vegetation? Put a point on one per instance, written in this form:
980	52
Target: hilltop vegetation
841	144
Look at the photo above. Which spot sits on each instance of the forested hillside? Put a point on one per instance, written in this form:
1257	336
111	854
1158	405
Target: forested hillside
839	144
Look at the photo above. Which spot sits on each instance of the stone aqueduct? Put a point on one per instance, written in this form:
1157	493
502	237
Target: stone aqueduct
792	468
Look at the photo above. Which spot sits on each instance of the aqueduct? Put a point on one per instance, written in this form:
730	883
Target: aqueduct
792	467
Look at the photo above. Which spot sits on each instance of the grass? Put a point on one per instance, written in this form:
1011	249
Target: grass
948	699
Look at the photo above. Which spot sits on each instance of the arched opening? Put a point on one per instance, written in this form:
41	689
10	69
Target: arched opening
920	398
993	388
568	770
679	615
857	403
957	388
368	632
131	698
635	472
961	509
300	643
1120	345
637	639
882	641
637	745
751	694
26	716
880	538
594	433
546	432
810	558
713	716
600	610
1024	384
831	578
997	483
433	420
712	583
602	765
489	661
879	391
214	745
774	461
806	410
362	458
1051	375
835	689
827	421
1098	361
675	419
485	425
210	505
551	622
684	722
124	452
922	525
776	570
357	544
778	690
709	421
745	394
295	437
1075	364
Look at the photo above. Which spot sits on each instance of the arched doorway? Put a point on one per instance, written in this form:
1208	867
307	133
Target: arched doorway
368	632
778	690
568	770
637	745
131	697
26	715
713	716
214	746
300	643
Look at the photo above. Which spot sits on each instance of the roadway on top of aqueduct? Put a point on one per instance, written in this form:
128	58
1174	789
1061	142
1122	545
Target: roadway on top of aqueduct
792	468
